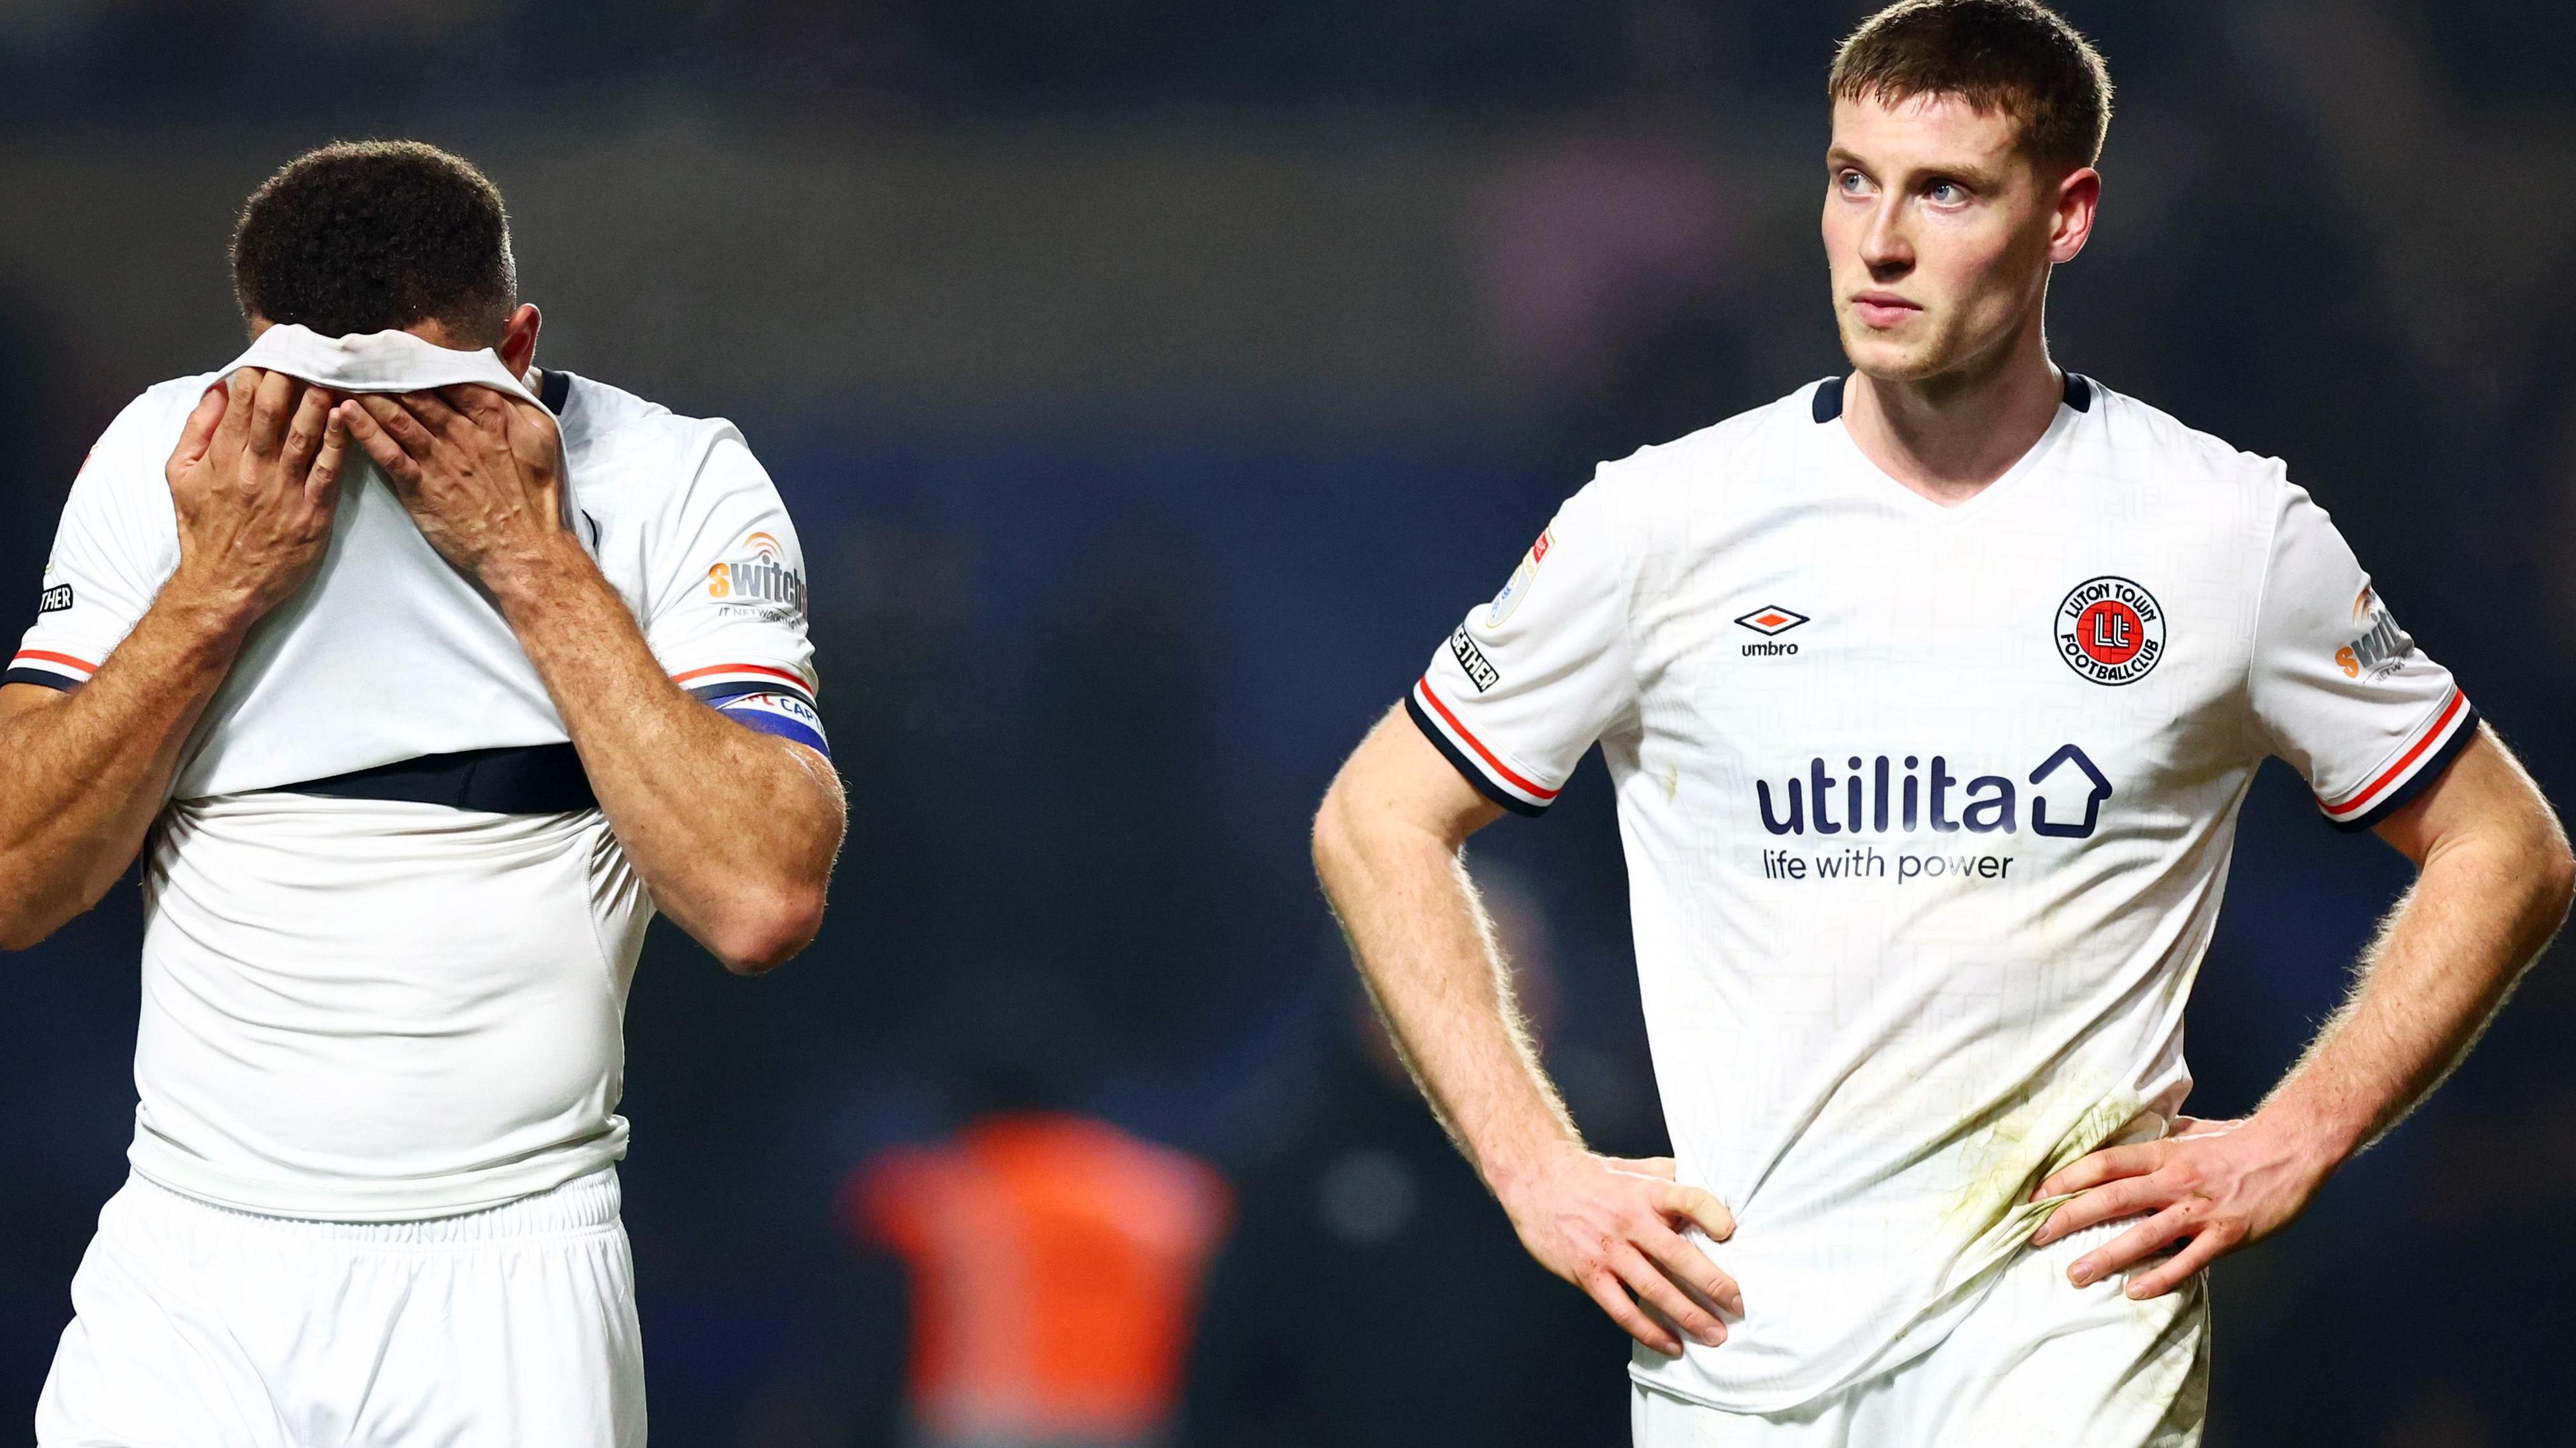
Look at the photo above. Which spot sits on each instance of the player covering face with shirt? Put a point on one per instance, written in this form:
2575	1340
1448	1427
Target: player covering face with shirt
421	677
1930	695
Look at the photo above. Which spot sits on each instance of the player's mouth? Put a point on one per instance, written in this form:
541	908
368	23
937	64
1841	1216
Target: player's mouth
1882	310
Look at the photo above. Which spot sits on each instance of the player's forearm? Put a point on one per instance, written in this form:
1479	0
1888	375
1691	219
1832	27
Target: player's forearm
677	780
1422	943
2481	911
81	779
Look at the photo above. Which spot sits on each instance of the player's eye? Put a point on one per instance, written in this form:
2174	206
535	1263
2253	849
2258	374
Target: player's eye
1851	183
1945	193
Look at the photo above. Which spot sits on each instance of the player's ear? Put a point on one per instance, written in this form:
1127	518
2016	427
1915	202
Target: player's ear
518	349
2079	195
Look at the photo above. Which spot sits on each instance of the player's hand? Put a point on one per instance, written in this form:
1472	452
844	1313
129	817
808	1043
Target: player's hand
480	472
254	480
1612	1226
2213	1186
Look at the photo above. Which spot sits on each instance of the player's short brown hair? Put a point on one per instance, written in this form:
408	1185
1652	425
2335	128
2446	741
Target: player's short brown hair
373	236
2014	56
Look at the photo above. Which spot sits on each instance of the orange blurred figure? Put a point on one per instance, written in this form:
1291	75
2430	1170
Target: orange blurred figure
1055	1264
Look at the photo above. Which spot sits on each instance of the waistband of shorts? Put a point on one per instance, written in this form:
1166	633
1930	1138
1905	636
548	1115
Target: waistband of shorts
584	1204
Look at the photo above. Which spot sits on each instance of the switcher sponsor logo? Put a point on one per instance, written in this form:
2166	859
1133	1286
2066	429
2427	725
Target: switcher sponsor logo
2381	646
759	581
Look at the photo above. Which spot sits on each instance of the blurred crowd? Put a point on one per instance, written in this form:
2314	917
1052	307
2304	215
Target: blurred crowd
1154	385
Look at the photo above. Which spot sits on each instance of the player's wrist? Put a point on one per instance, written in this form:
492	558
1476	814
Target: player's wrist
2311	1140
1515	1173
533	570
212	607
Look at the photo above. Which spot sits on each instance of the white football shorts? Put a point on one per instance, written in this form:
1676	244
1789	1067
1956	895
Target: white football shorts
201	1326
2038	1364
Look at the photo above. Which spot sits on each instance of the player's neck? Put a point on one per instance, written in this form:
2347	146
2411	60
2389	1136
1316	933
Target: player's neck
1950	436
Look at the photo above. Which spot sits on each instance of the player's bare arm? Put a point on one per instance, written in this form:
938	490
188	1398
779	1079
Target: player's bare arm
481	475
2494	885
1387	843
82	774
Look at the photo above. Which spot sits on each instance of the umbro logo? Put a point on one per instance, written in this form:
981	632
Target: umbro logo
1770	620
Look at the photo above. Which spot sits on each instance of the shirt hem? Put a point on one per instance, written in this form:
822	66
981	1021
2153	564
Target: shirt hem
373	1203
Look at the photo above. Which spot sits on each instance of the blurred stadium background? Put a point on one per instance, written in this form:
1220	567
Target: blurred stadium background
1154	384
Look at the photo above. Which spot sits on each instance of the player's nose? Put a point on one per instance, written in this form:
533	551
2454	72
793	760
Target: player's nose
1884	246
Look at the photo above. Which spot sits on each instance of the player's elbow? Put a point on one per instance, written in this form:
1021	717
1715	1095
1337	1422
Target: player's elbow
1335	842
26	918
767	927
2554	877
17	932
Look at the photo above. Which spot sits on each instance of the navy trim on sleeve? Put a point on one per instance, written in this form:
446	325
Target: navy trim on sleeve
1477	777
736	688
41	678
2430	770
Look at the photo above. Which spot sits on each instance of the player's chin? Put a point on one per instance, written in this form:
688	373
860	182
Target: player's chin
1901	354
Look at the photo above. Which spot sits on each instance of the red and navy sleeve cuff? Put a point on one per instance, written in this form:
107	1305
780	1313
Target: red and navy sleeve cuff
1484	769
2415	768
48	669
717	682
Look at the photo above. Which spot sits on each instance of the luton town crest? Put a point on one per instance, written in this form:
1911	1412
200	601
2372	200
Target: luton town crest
2110	630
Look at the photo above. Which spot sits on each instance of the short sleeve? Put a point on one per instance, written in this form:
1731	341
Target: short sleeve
728	599
116	546
1526	683
2339	690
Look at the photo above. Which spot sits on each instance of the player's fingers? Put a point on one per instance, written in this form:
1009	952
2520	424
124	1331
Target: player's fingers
198	433
535	438
392	421
1602	1286
322	480
482	406
1659	1167
2135	1245
436	415
2109	1164
1692	1271
272	405
1653	1288
2173	1272
1700	1206
2126	1197
379	445
304	431
239	390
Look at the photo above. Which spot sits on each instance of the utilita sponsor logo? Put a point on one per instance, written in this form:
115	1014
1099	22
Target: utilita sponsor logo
1907	793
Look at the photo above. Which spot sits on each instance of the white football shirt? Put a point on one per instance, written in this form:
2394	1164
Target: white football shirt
1927	813
361	1006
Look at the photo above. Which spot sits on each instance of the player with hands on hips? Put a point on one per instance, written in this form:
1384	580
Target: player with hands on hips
1930	694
